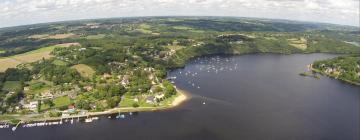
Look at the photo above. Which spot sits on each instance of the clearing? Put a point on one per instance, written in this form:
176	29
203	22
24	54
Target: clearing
298	43
84	70
98	36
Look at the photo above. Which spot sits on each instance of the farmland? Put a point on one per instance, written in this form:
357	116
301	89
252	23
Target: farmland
28	57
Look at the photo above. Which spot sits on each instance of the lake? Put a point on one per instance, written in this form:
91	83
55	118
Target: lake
250	97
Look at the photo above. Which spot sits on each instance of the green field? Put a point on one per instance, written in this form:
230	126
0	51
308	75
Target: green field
84	70
128	102
62	101
12	86
98	36
182	28
59	63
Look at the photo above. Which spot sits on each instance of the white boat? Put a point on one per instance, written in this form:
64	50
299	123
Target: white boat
88	120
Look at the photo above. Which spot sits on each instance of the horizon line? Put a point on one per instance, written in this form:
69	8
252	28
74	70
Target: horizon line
169	16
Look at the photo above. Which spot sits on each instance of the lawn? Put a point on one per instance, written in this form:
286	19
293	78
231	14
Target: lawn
13	86
127	102
84	70
62	101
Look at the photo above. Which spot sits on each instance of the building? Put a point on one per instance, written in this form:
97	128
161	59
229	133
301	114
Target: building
88	88
106	76
160	96
32	105
47	95
125	80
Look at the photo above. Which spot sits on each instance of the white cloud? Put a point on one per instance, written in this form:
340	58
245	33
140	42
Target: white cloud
18	12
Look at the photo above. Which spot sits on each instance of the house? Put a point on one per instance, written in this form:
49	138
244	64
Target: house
47	95
150	100
88	88
160	96
26	88
149	69
125	80
106	76
71	109
32	105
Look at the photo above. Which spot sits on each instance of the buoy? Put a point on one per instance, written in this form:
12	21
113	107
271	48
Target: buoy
204	103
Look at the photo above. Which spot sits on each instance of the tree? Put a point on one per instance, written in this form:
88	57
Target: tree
49	103
39	106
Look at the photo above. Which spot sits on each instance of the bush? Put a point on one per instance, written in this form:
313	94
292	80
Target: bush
135	105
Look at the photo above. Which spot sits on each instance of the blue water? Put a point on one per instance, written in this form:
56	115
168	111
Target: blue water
248	97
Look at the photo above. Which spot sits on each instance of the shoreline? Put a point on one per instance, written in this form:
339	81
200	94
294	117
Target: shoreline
334	77
177	101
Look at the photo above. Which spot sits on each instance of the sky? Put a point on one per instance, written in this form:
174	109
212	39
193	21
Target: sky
22	12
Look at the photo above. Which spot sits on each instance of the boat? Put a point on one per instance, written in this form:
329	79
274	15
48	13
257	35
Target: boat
120	116
88	120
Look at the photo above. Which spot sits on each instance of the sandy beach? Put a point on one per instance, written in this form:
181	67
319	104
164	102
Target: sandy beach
180	98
